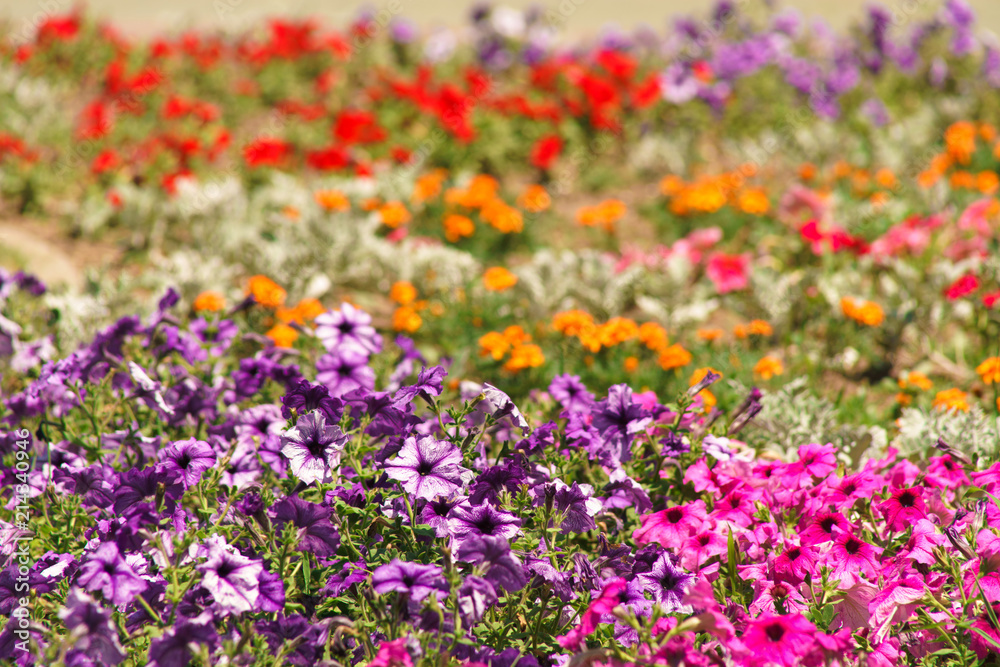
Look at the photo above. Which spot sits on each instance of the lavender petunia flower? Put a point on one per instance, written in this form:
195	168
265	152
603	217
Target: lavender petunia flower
412	579
313	448
427	467
571	393
475	596
503	406
190	458
345	370
91	632
668	583
107	571
232	579
435	513
488	486
346	327
618	419
467	521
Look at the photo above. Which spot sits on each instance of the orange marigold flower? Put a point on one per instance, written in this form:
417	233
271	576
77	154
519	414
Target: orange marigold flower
904	399
915	379
740	331
428	186
406	318
457	227
699	374
267	292
768	367
864	312
885	178
209	301
960	140
403	292
332	200
394	214
708	400
516	335
505	219
653	336
807	171
618	330
493	344
498	279
524	356
760	328
631	364
754	201
371	204
283	335
572	322
310	308
590	338
989	370
987	182
671	185
291	212
674	356
535	199
952	399
709	335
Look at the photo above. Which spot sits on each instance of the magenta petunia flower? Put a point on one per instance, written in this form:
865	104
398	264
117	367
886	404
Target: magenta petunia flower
904	508
670	527
427	467
850	555
779	640
824	528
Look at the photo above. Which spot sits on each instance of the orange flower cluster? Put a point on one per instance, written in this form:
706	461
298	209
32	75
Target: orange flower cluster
211	302
768	367
864	312
394	214
515	341
332	200
498	279
961	141
605	214
428	186
989	370
952	399
911	383
594	336
709	193
481	194
535	199
753	328
457	227
304	311
266	292
405	317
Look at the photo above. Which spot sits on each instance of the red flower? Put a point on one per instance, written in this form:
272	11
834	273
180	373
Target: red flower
328	159
617	64
991	299
962	287
267	152
545	151
105	161
358	127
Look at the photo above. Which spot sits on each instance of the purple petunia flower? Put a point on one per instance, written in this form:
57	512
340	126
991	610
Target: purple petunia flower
173	648
107	571
488	486
618	419
475	596
503	406
313	448
571	393
348	327
467	521
231	578
309	639
305	397
190	458
217	335
435	513
668	583
502	568
316	534
412	579
96	639
427	467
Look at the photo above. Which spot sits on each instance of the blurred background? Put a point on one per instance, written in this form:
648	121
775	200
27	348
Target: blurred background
583	17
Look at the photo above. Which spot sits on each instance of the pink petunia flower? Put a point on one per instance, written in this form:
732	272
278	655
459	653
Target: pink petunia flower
903	508
728	273
670	527
779	640
850	555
